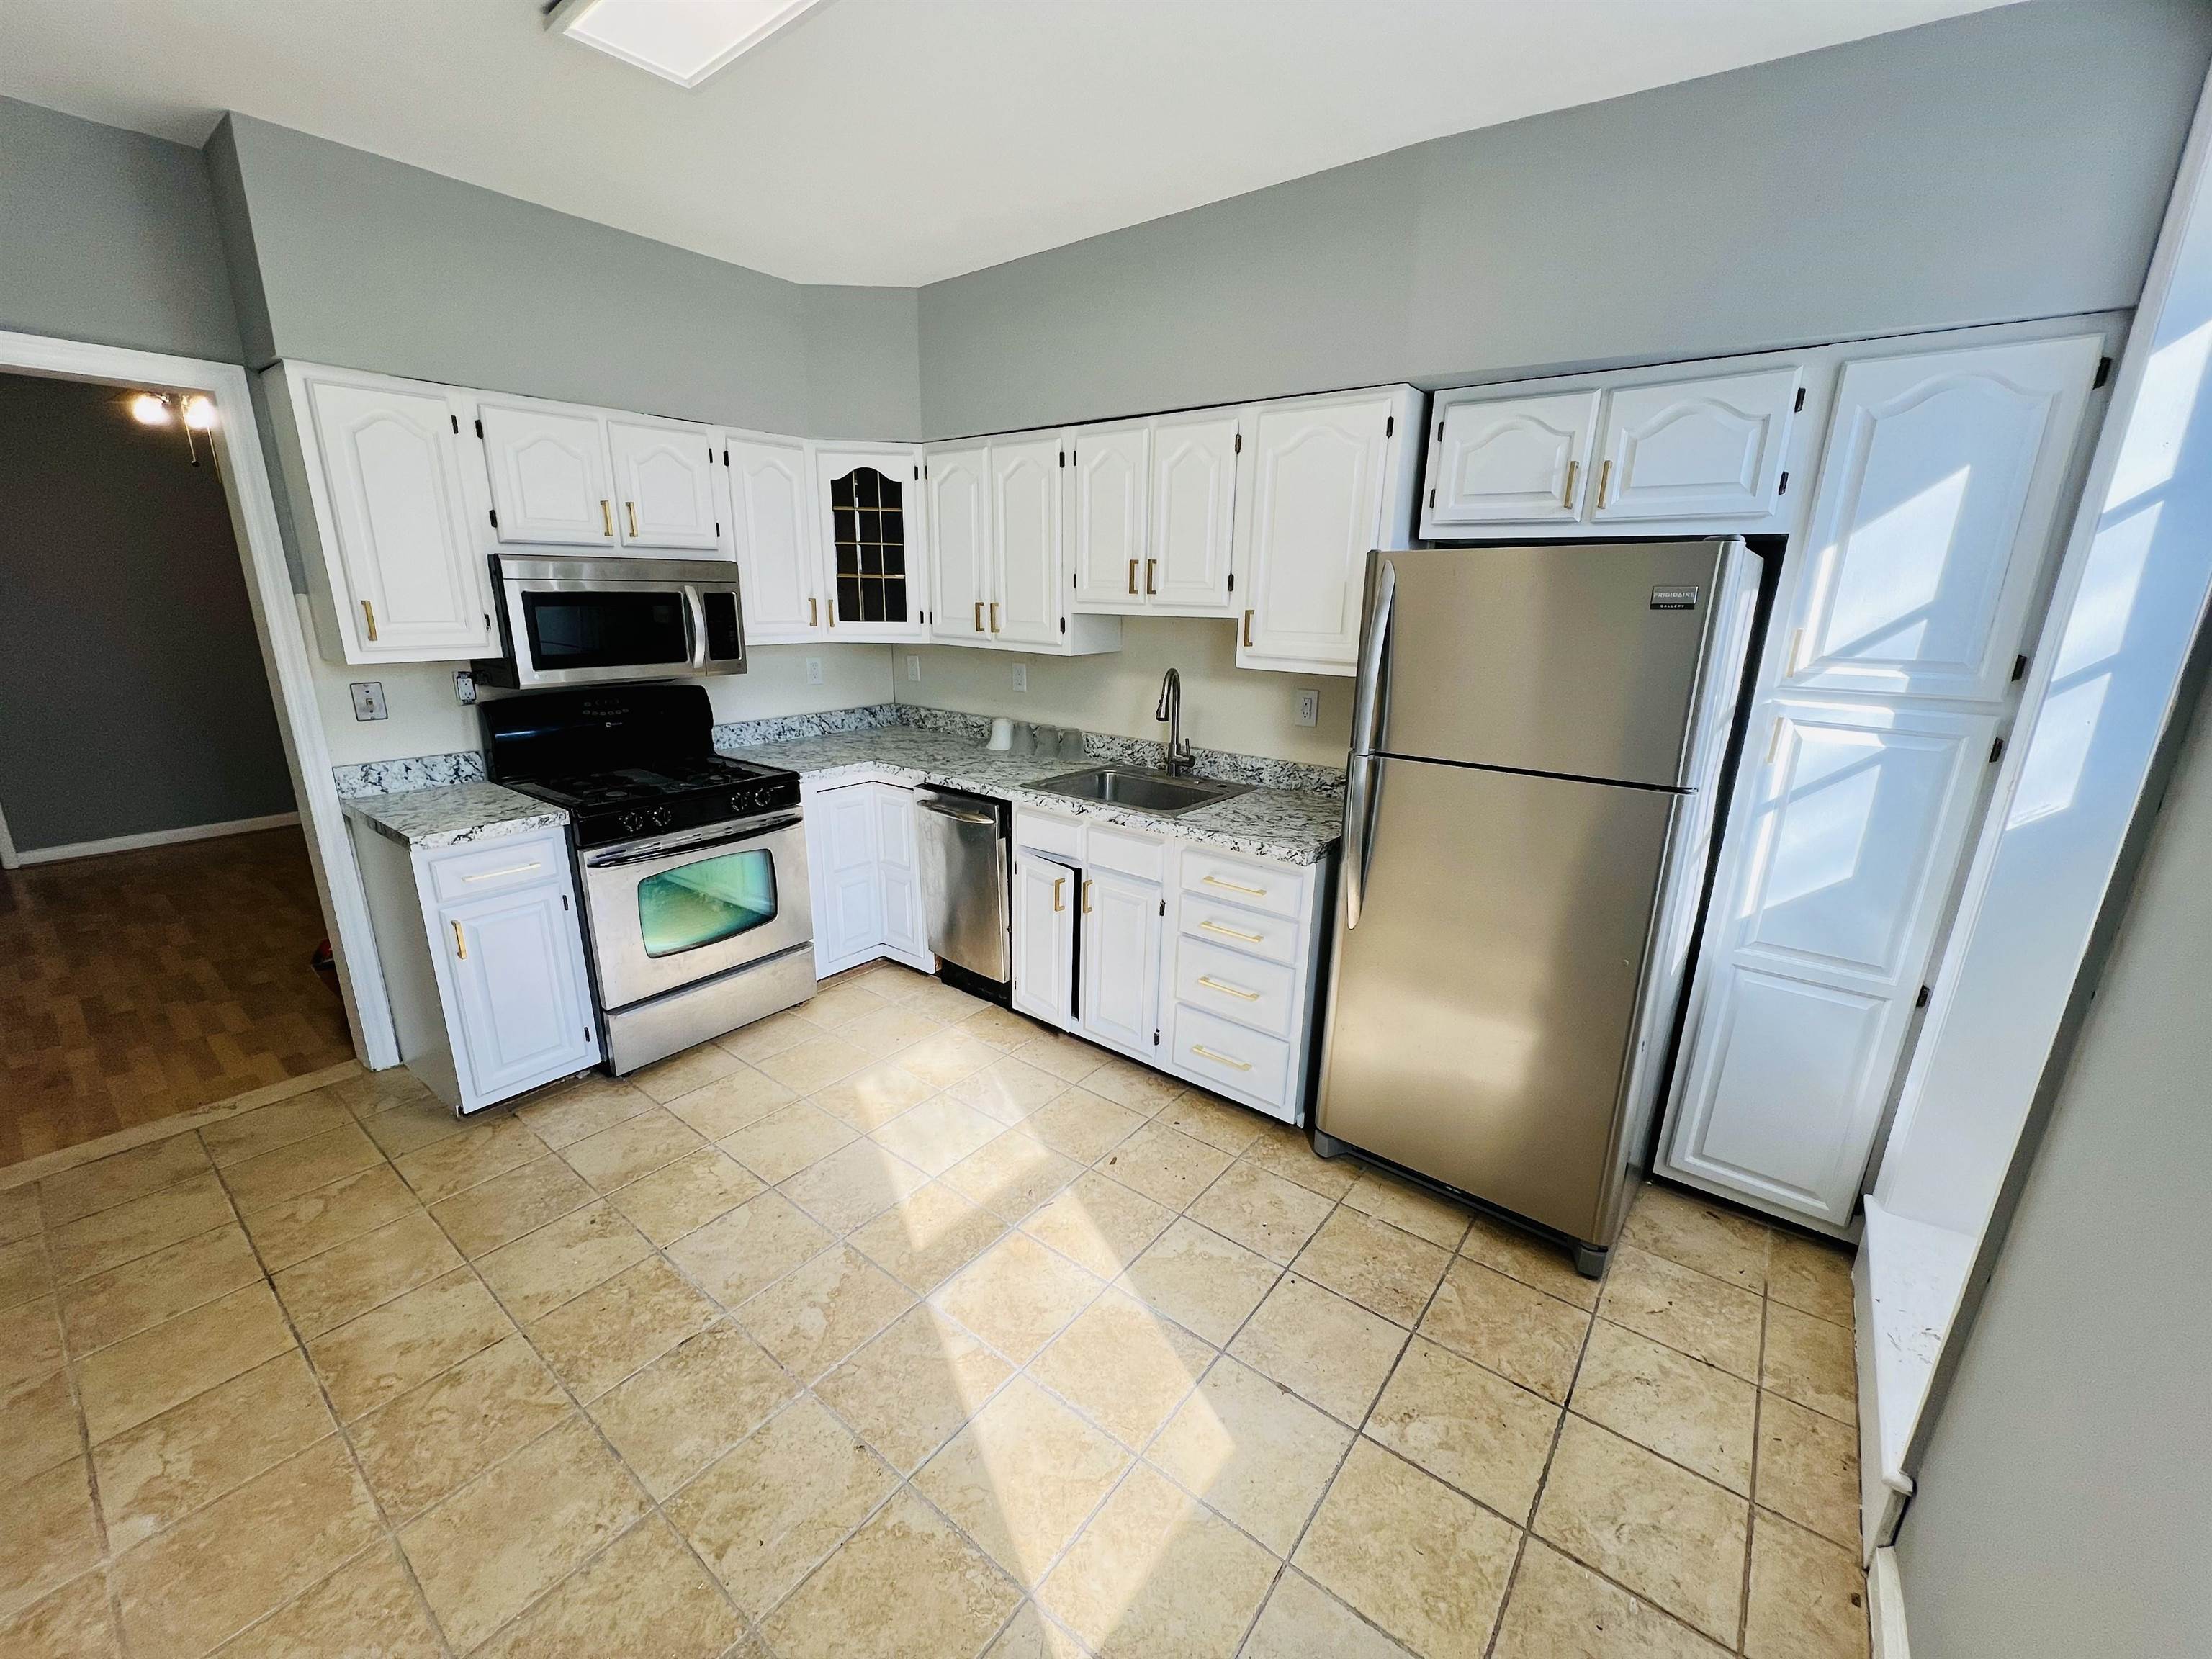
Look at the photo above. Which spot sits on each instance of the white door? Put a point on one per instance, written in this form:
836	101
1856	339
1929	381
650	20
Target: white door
1121	960
1840	859
1697	449
1111	469
841	845
664	484
779	570
1194	513
873	540
1512	460
518	982
1023	606
901	880
1316	513
1044	938
1942	477
549	478
417	588
959	491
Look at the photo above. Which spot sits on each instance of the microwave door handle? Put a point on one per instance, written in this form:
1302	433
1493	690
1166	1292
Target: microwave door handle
693	849
1369	699
695	619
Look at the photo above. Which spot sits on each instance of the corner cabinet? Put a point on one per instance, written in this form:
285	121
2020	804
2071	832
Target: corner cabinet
873	532
484	959
373	467
866	885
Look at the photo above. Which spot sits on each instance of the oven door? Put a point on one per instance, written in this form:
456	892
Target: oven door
662	917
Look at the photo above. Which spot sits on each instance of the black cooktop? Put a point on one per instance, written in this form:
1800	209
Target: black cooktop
627	761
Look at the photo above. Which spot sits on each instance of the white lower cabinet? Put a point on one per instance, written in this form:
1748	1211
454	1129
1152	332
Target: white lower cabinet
867	893
1203	964
484	962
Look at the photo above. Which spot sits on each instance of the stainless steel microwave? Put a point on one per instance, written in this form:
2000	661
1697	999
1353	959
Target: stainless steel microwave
568	621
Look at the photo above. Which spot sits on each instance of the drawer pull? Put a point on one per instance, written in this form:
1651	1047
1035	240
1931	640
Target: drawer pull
1234	886
460	944
1204	1052
1226	988
1212	926
511	870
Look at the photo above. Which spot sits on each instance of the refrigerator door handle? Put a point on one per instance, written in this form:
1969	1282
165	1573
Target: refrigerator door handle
1363	779
1367	706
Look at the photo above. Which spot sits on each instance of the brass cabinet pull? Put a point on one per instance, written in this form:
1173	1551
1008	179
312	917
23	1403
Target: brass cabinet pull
1058	882
1151	565
460	944
1567	495
979	615
1132	576
1204	1052
833	609
368	614
813	614
1788	671
1604	478
1226	988
607	520
630	507
1234	886
1247	630
994	616
1212	927
1774	740
1086	898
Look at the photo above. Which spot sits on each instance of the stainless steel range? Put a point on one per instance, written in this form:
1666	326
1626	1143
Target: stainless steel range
692	866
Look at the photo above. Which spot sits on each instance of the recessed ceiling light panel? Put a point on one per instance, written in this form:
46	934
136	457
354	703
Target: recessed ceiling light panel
681	40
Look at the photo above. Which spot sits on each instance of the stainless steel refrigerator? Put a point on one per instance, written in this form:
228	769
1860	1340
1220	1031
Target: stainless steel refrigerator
1537	744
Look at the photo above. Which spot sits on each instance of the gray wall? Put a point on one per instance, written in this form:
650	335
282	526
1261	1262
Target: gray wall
2010	164
109	236
370	263
2065	1505
132	695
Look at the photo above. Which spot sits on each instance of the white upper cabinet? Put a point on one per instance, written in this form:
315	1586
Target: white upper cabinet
1187	563
868	503
1695	449
1026	606
664	474
959	488
1110	471
1324	474
551	482
779	565
1942	477
380	462
1511	460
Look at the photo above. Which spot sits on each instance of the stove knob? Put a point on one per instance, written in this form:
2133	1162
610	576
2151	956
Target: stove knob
632	822
740	802
661	817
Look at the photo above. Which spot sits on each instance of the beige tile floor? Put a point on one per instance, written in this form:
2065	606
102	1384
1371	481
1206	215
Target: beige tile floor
895	1326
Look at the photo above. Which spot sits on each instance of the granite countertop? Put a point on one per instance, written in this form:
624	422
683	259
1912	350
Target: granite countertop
448	814
1297	826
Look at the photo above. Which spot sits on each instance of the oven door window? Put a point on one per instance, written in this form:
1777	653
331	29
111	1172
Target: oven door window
707	901
606	630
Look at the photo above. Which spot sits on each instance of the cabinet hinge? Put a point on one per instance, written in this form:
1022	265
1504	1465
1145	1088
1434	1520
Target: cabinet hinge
1389	425
1163	906
1782	488
2104	372
495	517
456	420
1063	458
726	457
479	429
1921	1001
1063	624
1232	581
564	901
1798	407
718	529
1996	749
1156	1039
1432	500
1075	581
2019	666
1440	431
1240	443
487	616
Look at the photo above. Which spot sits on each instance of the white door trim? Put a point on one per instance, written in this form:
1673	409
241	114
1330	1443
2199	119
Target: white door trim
7	859
93	849
236	439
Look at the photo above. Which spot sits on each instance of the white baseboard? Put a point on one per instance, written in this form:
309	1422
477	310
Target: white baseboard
1886	1607
93	849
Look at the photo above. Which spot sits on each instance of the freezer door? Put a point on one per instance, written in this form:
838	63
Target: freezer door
1581	660
1491	938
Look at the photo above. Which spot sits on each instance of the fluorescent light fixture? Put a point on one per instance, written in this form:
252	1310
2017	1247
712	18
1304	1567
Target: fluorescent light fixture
681	40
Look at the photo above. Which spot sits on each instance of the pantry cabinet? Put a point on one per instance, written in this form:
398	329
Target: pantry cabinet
772	534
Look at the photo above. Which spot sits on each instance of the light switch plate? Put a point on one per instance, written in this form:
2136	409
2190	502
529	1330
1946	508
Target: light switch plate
368	700
914	664
1309	706
1021	676
814	671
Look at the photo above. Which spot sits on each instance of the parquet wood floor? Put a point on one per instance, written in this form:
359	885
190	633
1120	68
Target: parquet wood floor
143	984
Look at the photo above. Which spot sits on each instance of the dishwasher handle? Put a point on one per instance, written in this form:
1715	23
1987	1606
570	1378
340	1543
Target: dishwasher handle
956	814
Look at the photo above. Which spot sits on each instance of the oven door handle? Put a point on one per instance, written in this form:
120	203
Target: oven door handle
658	854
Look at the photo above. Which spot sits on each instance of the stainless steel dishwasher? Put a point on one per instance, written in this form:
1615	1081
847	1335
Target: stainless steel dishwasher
964	842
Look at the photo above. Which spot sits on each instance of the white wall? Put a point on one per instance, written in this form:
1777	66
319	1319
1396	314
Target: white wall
1224	706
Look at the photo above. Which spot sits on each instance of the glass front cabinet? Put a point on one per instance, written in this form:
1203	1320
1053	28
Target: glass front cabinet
873	540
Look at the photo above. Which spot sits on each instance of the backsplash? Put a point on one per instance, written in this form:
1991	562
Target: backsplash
467	766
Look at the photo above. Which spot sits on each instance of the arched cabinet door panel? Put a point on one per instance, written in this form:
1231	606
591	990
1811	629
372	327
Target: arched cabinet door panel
550	484
1193	512
1025	535
1512	460
1111	468
959	491
1701	449
663	473
779	569
1316	513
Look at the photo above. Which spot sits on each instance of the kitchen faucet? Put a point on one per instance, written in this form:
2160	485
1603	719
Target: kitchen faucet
1171	710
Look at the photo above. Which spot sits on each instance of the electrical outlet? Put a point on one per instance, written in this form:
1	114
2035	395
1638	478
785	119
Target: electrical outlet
368	700
464	686
1021	676
914	664
1309	706
814	671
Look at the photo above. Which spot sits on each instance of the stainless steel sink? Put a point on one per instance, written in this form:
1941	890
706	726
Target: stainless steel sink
1146	791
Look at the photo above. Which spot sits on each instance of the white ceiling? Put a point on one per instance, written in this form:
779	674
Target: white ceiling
895	141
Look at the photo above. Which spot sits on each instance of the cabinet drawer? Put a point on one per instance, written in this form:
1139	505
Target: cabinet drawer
1048	832
504	865
1260	994
1244	1062
1133	855
1240	929
1278	887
